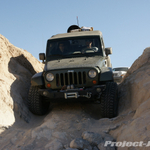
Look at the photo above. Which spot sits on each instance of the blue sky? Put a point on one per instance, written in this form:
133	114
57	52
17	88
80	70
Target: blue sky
125	24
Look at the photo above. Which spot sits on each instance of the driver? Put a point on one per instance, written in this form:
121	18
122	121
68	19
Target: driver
62	48
88	44
89	47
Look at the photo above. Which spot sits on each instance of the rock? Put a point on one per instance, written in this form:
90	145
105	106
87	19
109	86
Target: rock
66	146
93	138
59	135
143	60
95	148
134	97
80	143
133	90
50	124
102	147
71	149
42	132
77	121
108	138
16	69
54	145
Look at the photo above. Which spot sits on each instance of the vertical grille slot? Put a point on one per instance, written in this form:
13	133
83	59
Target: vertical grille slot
66	78
76	78
79	78
70	78
62	79
57	80
84	77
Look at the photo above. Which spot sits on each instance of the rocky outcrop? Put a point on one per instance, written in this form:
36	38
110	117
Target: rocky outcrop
135	97
92	141
76	126
16	69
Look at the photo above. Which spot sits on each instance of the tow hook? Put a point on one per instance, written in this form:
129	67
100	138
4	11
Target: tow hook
88	95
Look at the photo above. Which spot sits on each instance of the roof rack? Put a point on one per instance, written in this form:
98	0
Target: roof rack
75	28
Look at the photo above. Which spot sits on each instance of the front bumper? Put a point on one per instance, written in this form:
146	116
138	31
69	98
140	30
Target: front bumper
93	92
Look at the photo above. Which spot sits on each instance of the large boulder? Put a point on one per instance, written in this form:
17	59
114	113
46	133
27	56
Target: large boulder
135	85
16	69
134	96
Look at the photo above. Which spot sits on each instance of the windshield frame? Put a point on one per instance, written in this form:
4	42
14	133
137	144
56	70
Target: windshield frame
52	57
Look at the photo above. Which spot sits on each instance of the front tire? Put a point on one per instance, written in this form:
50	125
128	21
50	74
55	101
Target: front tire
109	101
36	103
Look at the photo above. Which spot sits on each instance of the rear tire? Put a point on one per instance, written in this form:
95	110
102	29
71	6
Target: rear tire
36	103
109	101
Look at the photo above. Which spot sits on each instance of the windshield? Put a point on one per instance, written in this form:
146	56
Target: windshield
120	69
73	47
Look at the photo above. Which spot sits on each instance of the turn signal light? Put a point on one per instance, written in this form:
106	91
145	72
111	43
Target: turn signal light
48	85
94	82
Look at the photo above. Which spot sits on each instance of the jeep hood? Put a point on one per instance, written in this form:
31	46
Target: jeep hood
77	62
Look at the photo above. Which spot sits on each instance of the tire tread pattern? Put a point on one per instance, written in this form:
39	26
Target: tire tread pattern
36	103
109	101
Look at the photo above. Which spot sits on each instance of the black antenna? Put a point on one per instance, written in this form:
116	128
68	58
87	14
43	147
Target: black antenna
77	21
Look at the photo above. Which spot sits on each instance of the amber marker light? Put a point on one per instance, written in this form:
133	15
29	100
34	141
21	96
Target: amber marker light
94	82
48	85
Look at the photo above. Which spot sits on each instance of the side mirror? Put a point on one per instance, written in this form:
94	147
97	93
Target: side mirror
42	56
108	51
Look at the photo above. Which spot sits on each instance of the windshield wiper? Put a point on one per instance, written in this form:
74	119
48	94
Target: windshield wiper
76	53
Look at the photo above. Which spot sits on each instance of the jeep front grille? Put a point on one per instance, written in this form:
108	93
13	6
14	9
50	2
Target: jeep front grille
75	78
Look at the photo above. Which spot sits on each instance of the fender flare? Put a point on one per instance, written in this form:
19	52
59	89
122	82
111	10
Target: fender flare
37	79
106	74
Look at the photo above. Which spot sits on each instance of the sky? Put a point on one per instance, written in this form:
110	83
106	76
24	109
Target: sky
125	24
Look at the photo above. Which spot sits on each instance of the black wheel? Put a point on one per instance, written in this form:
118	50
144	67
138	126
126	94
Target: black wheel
109	101
36	103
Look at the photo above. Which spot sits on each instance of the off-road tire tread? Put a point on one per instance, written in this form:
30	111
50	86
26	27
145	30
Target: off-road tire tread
109	101
36	103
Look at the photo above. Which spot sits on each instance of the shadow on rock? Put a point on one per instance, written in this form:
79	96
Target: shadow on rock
23	70
89	109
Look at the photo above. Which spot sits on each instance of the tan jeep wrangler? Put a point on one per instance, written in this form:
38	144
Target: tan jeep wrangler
77	68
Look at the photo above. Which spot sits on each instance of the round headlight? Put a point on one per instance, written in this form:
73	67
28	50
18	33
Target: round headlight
50	77
92	73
